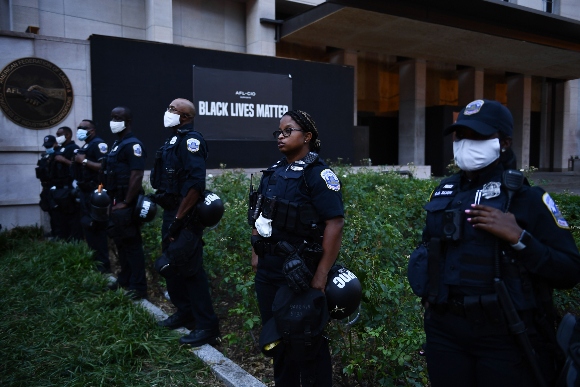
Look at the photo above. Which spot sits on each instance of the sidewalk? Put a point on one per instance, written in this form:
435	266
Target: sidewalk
557	182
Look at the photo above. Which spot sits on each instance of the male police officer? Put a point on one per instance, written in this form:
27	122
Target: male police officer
85	170
67	213
125	168
44	172
179	178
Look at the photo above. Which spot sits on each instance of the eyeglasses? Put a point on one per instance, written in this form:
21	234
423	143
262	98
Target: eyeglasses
172	109
286	132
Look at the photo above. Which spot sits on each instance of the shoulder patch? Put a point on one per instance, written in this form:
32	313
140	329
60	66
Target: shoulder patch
330	179
193	145
137	151
551	204
103	147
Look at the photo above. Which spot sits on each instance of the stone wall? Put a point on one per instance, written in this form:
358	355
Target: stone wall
20	147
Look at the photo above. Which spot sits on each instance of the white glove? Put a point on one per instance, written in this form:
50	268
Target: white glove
264	226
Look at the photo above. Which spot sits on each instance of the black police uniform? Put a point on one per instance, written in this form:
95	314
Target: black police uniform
67	213
126	155
179	167
87	181
305	189
45	172
468	341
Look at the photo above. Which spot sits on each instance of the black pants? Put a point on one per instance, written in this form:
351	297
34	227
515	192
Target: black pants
95	233
132	262
288	373
461	354
66	223
190	294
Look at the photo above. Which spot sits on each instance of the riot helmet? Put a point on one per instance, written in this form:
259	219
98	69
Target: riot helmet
209	209
145	210
99	205
343	292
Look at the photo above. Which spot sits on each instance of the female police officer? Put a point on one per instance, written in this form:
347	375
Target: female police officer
491	245
300	203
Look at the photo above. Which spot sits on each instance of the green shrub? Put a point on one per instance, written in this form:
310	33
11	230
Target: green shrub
384	218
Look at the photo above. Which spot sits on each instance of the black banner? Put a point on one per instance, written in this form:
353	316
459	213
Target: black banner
240	105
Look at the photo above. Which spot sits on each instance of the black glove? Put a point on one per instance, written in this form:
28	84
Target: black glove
175	228
152	197
297	274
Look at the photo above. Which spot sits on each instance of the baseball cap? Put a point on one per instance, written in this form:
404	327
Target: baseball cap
486	117
49	141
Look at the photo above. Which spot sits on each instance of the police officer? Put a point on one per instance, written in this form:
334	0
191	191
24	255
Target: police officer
86	172
125	169
299	200
179	178
68	209
491	241
44	172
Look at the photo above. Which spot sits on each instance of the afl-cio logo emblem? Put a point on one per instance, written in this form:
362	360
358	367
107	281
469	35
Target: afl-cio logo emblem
35	93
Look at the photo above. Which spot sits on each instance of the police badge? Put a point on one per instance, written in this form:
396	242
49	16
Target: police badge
137	151
193	145
330	179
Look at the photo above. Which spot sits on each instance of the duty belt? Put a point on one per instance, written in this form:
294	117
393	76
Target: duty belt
454	305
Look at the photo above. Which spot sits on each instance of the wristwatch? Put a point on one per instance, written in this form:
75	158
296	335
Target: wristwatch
85	161
523	242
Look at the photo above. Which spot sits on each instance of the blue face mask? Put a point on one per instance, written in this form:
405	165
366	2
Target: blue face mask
49	151
82	134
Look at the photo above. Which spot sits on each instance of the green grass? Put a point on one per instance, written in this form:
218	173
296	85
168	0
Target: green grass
61	327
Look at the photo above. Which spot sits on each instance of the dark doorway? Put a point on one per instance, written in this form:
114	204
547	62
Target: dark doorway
383	138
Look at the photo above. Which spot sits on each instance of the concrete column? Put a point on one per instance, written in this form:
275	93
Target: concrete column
570	127
349	58
558	153
159	16
412	83
545	126
519	101
260	38
470	85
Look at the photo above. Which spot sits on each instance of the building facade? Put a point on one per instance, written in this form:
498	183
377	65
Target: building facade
415	64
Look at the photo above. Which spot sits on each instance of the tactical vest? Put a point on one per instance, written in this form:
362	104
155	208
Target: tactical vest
60	171
86	178
468	262
286	200
168	175
118	172
44	169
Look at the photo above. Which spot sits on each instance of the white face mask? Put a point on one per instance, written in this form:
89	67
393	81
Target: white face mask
82	134
472	155
117	126
171	119
60	140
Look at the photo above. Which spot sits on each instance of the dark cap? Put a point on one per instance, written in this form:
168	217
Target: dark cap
486	117
49	141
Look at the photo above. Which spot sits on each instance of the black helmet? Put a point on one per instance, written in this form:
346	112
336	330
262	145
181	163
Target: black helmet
99	205
343	292
209	209
145	210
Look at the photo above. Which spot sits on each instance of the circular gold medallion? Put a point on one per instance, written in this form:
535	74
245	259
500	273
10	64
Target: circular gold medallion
35	93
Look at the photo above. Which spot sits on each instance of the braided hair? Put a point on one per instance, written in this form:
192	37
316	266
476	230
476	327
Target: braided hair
307	124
